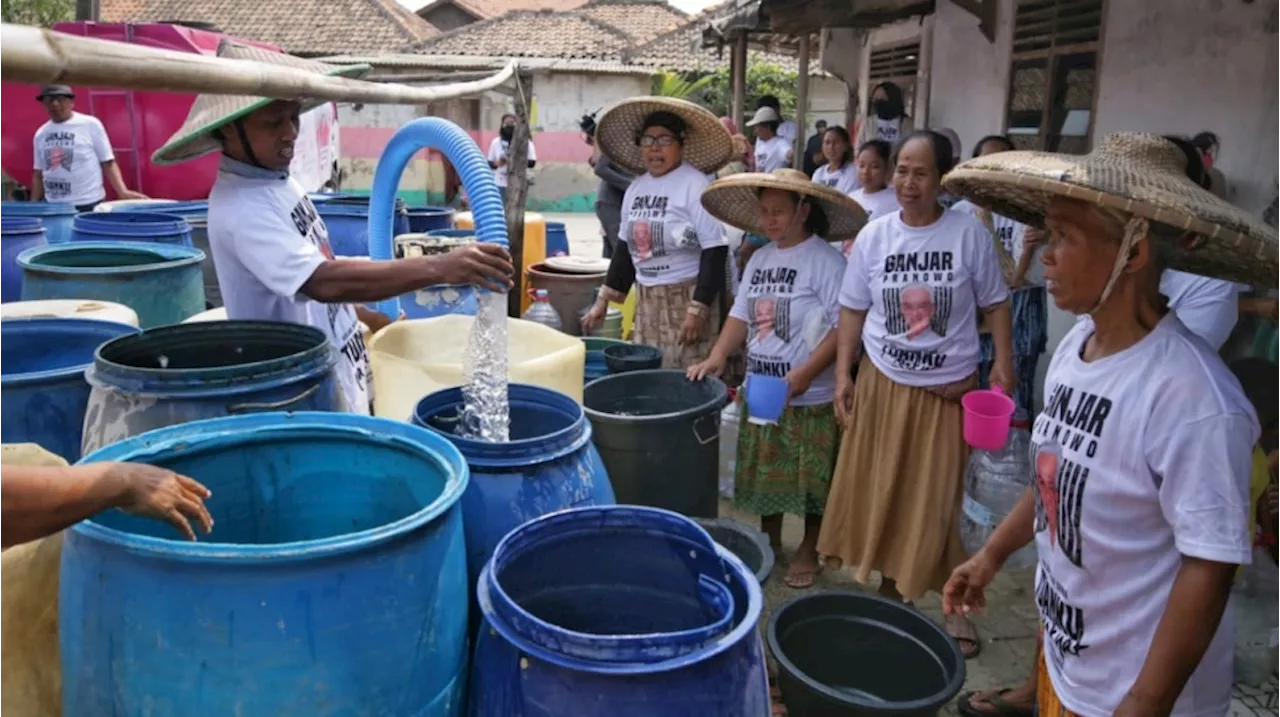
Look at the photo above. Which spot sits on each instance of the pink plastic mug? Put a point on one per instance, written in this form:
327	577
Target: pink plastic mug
987	415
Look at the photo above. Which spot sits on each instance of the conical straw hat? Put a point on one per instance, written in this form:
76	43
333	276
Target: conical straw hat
707	145
1142	174
210	112
735	200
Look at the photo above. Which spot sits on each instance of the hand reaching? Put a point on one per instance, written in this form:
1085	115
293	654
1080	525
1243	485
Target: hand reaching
159	493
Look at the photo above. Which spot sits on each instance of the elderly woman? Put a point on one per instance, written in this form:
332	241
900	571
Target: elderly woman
1140	508
914	287
676	251
786	314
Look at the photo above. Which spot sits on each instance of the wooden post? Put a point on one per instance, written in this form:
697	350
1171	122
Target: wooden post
738	81
924	75
802	104
518	187
864	81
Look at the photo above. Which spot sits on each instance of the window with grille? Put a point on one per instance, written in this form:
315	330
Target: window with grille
897	63
1056	44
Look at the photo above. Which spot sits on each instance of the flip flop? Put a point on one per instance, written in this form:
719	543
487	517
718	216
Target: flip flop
964	640
803	579
1002	707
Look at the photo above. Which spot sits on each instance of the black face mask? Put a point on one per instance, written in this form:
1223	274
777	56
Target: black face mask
886	109
507	133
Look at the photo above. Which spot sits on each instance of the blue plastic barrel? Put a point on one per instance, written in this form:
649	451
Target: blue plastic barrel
595	367
440	299
131	226
557	239
615	612
56	217
347	219
43	393
426	219
189	372
549	464
161	282
17	234
333	583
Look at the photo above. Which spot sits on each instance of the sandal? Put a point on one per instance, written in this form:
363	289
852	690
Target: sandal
802	578
967	637
1001	707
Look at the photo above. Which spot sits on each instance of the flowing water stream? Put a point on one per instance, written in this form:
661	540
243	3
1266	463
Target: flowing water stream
486	413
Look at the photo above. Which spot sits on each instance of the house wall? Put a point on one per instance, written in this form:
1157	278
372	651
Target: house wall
1173	67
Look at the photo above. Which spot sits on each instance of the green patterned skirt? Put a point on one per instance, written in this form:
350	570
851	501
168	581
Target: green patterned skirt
786	468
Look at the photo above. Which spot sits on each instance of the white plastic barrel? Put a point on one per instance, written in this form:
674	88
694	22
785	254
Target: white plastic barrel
69	309
411	359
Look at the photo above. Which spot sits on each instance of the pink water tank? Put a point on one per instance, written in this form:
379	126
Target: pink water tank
138	123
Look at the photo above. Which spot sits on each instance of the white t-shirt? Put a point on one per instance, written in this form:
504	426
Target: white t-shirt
70	155
890	130
500	148
843	180
787	130
666	228
771	154
1209	307
267	240
789	299
1145	457
877	204
1010	233
921	288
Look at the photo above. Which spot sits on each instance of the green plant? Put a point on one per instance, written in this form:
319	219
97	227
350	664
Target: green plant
763	78
40	13
668	83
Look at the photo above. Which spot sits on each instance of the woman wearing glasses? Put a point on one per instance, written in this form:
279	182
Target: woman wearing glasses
676	251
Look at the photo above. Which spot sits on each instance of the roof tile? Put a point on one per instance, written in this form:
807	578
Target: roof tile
300	27
533	34
487	9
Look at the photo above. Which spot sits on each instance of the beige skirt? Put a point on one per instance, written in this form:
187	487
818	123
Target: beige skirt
660	313
899	479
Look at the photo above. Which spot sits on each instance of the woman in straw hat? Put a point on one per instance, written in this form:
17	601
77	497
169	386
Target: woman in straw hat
786	313
270	246
676	251
1142	516
916	282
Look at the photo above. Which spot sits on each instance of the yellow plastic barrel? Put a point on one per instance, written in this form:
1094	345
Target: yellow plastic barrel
628	309
69	309
535	243
411	359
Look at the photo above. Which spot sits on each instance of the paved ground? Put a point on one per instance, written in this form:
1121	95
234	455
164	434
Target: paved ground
1008	628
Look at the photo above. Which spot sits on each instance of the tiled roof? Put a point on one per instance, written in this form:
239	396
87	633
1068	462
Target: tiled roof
533	34
300	27
642	20
681	49
486	9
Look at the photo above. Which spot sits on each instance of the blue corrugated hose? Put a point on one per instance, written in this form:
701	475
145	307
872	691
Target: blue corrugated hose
462	152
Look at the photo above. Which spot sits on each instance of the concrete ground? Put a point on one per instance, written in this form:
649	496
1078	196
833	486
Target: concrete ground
1008	627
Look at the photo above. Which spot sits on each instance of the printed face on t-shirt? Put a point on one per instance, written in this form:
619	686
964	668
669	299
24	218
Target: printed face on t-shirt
1046	487
917	308
765	312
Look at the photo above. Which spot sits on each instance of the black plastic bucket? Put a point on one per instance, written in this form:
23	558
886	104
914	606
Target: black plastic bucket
749	544
659	436
843	653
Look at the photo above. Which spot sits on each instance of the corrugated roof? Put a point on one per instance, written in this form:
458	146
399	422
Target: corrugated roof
300	27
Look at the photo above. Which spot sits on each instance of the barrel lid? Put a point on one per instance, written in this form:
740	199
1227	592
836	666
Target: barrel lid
577	264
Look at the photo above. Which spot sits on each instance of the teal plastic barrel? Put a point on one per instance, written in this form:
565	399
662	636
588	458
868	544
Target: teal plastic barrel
333	583
161	282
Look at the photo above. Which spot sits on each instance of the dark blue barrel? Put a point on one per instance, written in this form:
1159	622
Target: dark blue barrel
425	219
440	299
347	219
161	282
43	393
548	465
197	215
131	226
595	366
557	239
332	585
188	372
56	217
17	234
615	612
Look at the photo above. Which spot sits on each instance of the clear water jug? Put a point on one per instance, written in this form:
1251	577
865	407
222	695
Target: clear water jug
541	311
994	481
728	445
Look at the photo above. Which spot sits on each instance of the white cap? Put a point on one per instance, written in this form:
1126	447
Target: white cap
764	114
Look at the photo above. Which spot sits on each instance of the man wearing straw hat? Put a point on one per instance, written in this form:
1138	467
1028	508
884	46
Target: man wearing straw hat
1141	527
270	246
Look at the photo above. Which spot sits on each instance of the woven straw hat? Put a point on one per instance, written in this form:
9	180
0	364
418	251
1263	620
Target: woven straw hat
195	139
1141	174
735	200
706	145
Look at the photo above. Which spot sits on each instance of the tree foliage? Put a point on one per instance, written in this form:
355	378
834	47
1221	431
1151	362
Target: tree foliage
668	83
763	78
40	13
